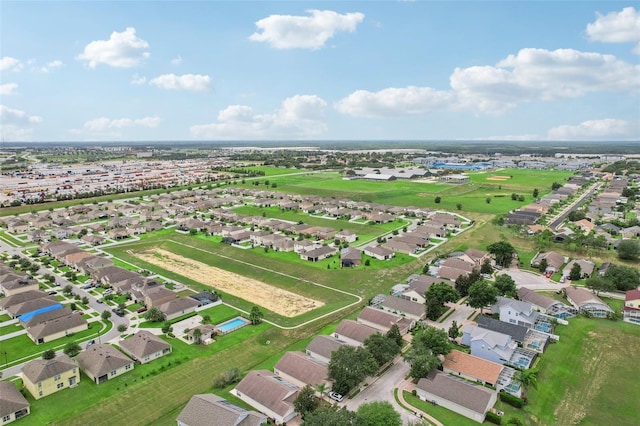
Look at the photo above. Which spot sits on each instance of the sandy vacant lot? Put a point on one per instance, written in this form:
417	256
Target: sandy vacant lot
277	300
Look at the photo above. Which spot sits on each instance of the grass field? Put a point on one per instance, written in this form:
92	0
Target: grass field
446	417
274	171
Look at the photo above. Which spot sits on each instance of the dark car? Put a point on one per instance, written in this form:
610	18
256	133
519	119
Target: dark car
99	301
52	293
118	312
141	310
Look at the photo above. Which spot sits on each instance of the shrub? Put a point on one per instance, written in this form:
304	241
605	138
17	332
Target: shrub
226	378
514	401
493	418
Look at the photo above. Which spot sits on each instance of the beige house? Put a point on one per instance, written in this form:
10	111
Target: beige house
269	394
301	370
56	328
145	347
43	377
202	409
101	362
13	405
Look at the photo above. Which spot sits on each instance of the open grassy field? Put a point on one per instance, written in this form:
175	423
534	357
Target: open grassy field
588	378
274	171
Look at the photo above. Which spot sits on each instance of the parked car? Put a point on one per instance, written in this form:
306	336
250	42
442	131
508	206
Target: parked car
52	293
87	287
336	396
118	312
99	301
108	291
89	343
141	310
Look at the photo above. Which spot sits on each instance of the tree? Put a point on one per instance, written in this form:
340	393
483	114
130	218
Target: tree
542	267
72	349
481	294
431	339
488	200
394	334
623	277
505	285
122	328
206	319
349	365
105	315
555	185
49	354
438	200
154	315
576	272
67	289
382	348
598	284
255	316
503	252
463	282
321	388
454	330
535	193
421	364
459	206
435	298
197	335
306	401
85	300
629	250
330	415
166	327
526	378
486	267
378	413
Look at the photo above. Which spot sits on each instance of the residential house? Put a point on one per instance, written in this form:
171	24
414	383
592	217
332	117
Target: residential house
631	311
269	394
379	252
383	320
145	347
404	307
517	332
346	236
554	261
203	409
487	344
178	306
42	377
398	246
459	396
515	312
418	286
318	254
350	257
586	301
207	334
586	268
301	370
56	328
17	226
546	304
322	346
101	362
303	246
353	333
12	284
13	405
472	368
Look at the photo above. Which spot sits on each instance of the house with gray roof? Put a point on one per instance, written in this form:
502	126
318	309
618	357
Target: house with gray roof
203	408
43	377
586	268
13	405
586	301
322	346
383	320
403	307
56	328
178	307
379	252
487	344
269	394
457	395
546	304
515	311
318	254
517	332
17	299
145	347
301	370
101	362
353	333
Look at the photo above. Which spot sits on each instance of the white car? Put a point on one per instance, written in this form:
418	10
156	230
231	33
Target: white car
336	396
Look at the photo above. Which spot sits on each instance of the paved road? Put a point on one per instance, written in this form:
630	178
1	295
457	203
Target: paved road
555	223
533	281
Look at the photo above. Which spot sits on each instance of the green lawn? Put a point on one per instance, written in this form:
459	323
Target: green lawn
11	240
582	377
5	317
446	417
8	329
272	171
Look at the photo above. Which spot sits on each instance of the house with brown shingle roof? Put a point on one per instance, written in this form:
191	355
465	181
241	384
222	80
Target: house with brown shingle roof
56	328
353	333
471	401
301	370
472	367
383	320
101	362
269	394
13	405
586	301
178	307
322	346
404	307
145	347
203	408
42	377
586	268
554	260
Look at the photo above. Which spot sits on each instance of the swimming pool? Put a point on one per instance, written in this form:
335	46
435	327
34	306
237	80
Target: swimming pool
231	325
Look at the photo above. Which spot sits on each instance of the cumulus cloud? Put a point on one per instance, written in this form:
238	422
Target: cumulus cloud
394	101
608	128
304	32
7	63
17	125
194	82
530	75
299	117
8	88
50	66
122	50
101	124
617	27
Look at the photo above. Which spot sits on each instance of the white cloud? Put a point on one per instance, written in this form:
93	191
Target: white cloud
304	32
7	63
300	117
194	82
605	129
17	125
122	50
51	66
8	88
394	102
177	60
102	124
138	79
617	27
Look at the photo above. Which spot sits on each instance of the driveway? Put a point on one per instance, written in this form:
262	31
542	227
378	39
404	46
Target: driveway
382	390
533	281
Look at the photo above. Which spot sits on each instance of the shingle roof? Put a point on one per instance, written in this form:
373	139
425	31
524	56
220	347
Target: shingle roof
11	400
56	325
302	368
201	410
537	299
100	359
517	332
269	390
354	330
473	366
178	305
324	345
38	370
379	317
143	343
475	398
21	298
632	295
404	306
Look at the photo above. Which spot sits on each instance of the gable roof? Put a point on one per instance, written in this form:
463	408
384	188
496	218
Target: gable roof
100	359
301	367
474	398
632	295
56	325
324	345
582	297
22	297
379	317
535	298
356	331
404	306
269	390
202	409
517	332
473	366
178	305
11	400
38	370
143	343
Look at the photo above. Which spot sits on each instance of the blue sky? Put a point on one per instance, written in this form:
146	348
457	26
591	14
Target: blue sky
293	70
